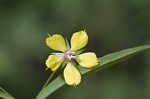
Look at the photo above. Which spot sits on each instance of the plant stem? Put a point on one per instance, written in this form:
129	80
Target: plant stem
49	79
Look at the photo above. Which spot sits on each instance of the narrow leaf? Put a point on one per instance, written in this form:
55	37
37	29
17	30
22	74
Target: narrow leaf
5	95
105	62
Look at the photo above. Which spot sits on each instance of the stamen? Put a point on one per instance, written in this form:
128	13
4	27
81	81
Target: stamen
68	55
73	57
59	54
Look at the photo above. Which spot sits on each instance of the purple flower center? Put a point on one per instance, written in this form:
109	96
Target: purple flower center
69	55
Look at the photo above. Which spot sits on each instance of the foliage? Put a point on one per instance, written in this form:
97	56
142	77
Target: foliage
4	94
105	62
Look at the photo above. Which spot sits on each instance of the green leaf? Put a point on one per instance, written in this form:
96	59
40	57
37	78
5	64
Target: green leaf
5	95
105	62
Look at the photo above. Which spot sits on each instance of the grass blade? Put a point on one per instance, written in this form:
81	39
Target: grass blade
105	62
5	95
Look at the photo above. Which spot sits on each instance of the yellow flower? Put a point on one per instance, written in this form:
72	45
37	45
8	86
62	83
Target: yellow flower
79	40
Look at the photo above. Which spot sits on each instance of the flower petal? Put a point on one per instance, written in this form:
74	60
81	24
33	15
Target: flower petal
72	75
53	62
79	40
87	60
56	42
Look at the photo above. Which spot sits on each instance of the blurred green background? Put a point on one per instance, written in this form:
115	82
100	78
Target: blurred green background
112	25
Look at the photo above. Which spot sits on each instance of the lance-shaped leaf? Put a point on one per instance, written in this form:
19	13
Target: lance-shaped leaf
105	62
5	95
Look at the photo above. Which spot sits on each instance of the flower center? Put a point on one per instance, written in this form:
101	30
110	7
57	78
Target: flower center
69	55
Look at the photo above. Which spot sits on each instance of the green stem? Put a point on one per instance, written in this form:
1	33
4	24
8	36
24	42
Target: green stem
49	79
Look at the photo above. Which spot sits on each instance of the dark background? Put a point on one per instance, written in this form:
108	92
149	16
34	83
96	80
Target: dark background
112	25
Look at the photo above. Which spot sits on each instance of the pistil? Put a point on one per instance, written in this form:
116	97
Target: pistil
69	55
